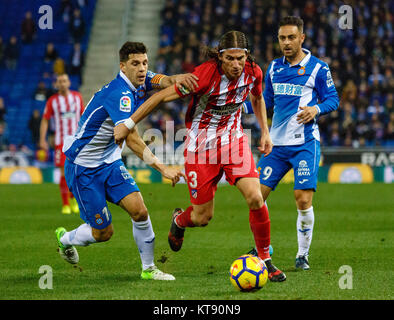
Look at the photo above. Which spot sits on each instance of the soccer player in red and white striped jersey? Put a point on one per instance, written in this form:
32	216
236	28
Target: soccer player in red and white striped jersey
65	107
215	142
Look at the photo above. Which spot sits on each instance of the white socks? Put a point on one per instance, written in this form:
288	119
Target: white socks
145	239
305	222
142	232
81	236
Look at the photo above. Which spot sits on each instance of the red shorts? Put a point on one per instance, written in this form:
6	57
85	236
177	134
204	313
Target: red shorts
205	169
60	157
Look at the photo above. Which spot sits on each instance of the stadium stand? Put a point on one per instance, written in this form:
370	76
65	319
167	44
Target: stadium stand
25	86
361	59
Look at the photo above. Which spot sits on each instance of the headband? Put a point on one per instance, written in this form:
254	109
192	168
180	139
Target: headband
222	50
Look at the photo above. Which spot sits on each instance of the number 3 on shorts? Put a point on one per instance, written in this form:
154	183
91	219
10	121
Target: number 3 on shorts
267	172
192	179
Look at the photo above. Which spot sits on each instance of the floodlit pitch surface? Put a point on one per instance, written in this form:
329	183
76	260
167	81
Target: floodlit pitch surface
351	255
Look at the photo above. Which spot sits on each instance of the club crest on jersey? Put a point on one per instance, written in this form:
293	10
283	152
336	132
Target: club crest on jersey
301	71
125	104
99	220
141	93
194	193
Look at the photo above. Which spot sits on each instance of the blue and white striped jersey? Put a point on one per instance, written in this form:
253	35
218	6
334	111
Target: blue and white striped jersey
93	143
287	88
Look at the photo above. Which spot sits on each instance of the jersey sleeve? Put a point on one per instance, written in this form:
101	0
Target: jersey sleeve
204	73
258	82
268	90
48	111
119	107
152	80
328	96
247	107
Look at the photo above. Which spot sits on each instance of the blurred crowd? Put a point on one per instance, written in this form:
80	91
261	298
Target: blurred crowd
361	58
55	58
71	14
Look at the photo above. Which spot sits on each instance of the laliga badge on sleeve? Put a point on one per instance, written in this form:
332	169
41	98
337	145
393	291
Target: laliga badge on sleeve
184	90
125	104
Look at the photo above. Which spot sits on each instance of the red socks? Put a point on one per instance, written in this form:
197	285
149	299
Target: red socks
64	192
184	219
260	225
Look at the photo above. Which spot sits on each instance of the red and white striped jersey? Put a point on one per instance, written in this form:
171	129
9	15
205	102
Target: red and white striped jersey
213	117
66	111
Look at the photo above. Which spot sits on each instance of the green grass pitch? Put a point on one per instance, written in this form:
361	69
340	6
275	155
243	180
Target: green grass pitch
353	227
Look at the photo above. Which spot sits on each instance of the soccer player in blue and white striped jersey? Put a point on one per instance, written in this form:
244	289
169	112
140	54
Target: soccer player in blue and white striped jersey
300	88
94	169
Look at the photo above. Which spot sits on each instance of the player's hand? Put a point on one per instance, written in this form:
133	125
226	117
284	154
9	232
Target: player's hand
307	114
120	133
173	174
44	145
187	80
266	144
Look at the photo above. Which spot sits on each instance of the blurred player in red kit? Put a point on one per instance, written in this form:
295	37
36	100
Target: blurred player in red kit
65	107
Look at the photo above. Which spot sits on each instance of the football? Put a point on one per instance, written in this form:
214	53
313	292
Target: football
42	155
248	273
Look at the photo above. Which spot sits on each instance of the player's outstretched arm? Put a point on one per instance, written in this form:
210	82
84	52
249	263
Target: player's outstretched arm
122	130
260	112
138	146
187	80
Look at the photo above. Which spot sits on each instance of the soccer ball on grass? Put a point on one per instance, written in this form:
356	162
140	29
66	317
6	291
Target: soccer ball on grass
248	273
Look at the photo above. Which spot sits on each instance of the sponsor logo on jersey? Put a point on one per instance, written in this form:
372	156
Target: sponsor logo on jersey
225	109
68	115
125	104
330	82
288	89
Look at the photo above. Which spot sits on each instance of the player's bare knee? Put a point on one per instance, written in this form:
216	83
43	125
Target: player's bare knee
303	203
303	198
255	201
203	219
140	215
104	234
